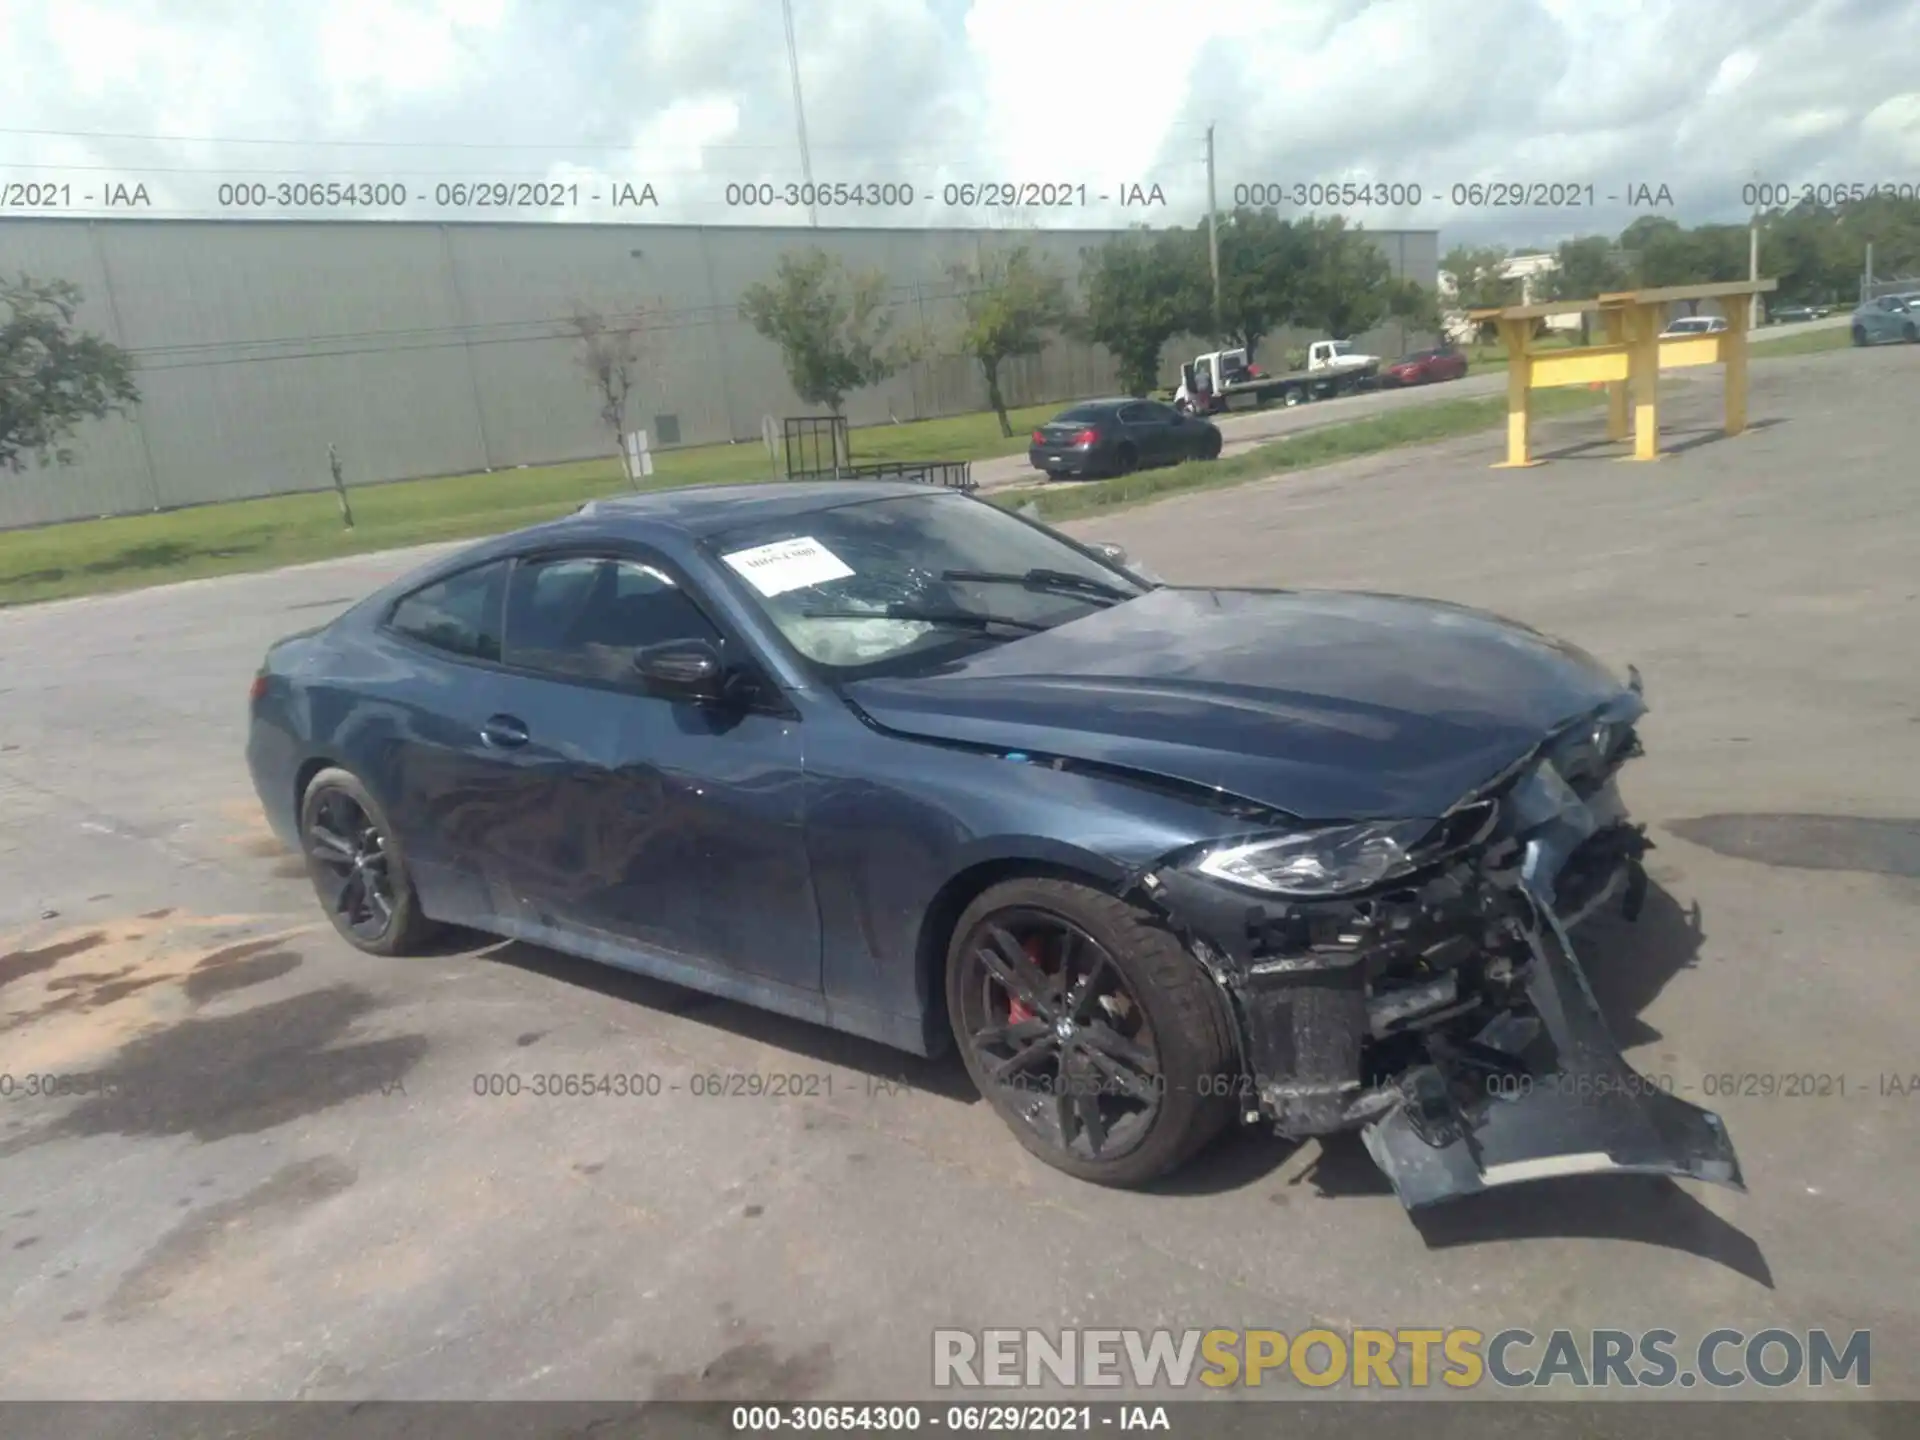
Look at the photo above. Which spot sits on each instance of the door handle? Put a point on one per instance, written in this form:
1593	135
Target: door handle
503	732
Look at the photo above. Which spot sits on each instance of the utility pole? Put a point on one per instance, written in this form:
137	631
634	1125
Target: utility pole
800	112
1753	256
1866	281
1213	235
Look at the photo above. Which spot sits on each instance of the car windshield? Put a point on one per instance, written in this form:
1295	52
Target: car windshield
904	584
1340	347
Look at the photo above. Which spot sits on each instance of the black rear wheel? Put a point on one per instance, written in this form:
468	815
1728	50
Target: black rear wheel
1911	334
1126	460
357	869
1087	1027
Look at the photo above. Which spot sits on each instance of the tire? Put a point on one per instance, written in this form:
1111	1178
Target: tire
1211	449
1293	397
1911	334
364	888
1859	335
1126	460
1149	995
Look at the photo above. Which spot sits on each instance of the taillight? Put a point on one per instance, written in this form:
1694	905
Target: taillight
1089	436
258	689
1039	438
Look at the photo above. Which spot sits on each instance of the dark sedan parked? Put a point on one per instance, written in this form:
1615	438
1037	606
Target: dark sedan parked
1117	437
1425	367
1159	860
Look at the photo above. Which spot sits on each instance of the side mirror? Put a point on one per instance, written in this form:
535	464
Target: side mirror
686	670
1109	552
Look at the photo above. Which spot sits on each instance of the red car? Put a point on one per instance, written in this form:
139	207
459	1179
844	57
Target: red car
1425	366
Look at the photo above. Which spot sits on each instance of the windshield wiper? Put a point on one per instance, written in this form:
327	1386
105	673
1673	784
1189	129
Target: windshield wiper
1056	581
965	619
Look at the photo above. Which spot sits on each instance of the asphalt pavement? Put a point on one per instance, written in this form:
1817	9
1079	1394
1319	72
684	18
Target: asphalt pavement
279	1169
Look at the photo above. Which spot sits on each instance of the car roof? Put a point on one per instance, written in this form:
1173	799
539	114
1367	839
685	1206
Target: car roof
1113	402
702	510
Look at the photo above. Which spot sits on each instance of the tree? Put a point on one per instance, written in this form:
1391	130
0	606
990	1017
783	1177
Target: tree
610	354
51	376
1478	280
1140	291
1583	269
1010	303
833	326
1263	267
1347	286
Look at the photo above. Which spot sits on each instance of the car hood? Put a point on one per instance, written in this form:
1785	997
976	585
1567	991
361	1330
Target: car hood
1324	704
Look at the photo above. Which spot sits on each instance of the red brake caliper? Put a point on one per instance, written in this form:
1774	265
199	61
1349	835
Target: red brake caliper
1016	1012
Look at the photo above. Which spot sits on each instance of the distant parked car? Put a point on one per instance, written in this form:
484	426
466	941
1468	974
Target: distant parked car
1795	314
1891	317
1424	367
1116	437
1695	325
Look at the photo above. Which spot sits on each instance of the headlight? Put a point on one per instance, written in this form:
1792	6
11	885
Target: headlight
1334	861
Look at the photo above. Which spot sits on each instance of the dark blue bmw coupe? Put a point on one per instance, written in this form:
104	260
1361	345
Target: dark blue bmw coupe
1158	859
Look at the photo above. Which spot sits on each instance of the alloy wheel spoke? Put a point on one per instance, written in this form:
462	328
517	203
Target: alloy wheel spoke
326	845
1110	1042
1017	1034
348	898
1086	1109
1083	992
1042	1047
1132	1083
1008	963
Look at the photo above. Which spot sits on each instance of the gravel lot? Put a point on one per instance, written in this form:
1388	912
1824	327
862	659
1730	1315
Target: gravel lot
293	1190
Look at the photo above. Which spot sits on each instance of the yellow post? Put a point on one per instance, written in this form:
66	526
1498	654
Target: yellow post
1616	324
1733	348
1643	374
1516	335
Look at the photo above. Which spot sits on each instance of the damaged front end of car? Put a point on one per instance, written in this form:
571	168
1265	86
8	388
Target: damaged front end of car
1415	980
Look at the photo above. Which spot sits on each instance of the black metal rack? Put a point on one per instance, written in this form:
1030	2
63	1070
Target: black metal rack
816	448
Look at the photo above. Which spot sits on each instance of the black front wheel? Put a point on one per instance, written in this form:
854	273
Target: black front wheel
357	869
1859	335
1210	447
1096	1038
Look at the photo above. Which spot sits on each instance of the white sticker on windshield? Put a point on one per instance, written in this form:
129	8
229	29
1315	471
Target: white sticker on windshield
788	565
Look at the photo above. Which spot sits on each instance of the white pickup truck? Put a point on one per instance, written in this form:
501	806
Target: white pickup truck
1228	380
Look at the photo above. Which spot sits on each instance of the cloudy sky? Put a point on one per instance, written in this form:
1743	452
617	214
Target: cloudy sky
1701	97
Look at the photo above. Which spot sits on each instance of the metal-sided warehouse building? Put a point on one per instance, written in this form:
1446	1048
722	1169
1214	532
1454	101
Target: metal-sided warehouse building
443	348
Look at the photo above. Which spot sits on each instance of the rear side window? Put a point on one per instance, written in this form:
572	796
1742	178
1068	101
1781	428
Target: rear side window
460	614
583	618
1080	415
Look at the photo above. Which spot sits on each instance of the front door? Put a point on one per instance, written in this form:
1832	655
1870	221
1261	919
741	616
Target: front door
627	817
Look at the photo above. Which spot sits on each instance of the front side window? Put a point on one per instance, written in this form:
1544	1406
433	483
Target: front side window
459	615
583	618
902	584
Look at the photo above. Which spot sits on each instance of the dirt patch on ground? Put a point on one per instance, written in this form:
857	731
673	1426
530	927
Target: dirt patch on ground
74	997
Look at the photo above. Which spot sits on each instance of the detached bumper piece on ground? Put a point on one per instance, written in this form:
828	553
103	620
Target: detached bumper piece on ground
1450	1021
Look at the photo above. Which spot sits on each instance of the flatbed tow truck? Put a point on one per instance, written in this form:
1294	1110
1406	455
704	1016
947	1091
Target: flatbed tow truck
1229	380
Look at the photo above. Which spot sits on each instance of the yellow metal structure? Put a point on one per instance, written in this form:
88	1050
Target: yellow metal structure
1628	364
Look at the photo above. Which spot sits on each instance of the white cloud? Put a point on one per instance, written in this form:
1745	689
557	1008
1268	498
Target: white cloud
1696	94
370	53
